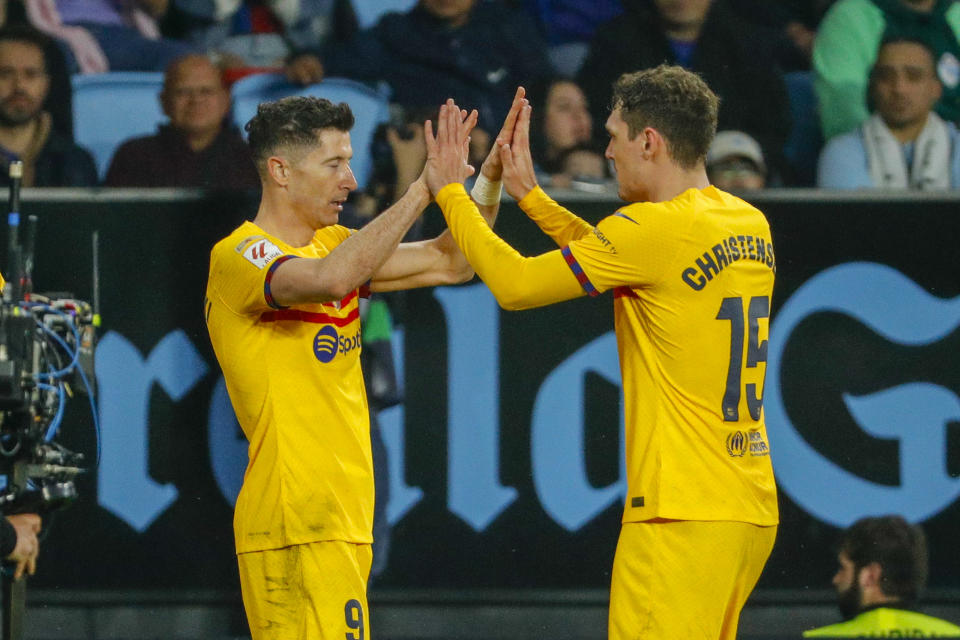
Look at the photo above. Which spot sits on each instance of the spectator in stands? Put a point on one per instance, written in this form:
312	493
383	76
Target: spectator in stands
904	144
846	48
559	122
568	26
561	141
107	35
705	36
26	131
883	569
258	34
474	50
59	103
735	162
198	148
795	22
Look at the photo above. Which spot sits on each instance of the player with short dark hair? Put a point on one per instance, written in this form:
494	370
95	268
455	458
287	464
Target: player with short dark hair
692	270
897	546
882	572
293	123
282	311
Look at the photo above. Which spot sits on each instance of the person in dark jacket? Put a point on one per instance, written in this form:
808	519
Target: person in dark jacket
736	60
473	50
49	158
198	148
59	103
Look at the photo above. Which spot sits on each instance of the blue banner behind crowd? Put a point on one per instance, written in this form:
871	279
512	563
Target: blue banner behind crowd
505	460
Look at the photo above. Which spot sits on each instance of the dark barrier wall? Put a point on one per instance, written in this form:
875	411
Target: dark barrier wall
505	458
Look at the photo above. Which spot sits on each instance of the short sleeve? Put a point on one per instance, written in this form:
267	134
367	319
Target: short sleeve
633	248
240	275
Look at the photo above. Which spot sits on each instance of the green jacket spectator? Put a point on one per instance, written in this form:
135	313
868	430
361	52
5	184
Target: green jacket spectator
846	48
887	622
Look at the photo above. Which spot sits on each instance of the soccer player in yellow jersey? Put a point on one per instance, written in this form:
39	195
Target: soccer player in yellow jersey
691	269
282	313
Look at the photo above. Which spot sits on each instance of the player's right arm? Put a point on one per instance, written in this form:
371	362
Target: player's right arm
258	275
354	261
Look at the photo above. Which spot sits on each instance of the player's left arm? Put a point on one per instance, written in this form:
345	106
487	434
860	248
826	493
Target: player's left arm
516	282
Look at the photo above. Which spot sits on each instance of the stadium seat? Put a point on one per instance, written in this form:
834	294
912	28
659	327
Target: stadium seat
370	108
369	11
109	108
803	145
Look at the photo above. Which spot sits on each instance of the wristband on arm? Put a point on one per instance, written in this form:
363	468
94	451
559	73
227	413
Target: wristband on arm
486	192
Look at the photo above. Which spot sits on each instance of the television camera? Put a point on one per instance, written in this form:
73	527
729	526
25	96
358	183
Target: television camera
46	355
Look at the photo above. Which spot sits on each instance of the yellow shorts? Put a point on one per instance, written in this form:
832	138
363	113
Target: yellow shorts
315	591
683	579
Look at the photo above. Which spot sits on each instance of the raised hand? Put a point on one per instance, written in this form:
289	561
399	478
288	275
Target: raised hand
519	178
448	152
492	167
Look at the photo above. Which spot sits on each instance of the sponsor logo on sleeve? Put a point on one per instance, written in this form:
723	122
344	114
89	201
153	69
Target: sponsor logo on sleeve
604	241
261	253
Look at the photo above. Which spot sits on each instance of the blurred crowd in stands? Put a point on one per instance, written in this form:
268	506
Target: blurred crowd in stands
844	94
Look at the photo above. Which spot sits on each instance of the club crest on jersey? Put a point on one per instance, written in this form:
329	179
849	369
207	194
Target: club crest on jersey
327	343
261	253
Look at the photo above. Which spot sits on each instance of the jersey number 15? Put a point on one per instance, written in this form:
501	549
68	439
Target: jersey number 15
732	309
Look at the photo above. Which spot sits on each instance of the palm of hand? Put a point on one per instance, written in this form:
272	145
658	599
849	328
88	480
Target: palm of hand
448	152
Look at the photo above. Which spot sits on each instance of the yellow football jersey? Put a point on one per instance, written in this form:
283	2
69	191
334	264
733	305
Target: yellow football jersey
692	280
293	375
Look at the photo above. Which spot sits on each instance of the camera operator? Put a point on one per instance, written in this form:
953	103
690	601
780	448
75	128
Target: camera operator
18	541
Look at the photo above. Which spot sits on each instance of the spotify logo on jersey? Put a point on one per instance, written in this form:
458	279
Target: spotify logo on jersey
325	344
